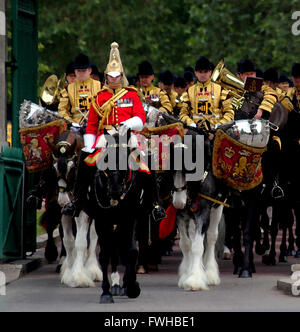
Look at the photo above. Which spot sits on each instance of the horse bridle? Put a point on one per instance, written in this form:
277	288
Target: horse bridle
63	147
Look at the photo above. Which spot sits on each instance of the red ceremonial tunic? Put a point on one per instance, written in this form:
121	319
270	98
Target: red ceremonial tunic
124	108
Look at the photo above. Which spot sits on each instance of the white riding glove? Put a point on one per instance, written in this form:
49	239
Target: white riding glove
193	125
134	123
89	140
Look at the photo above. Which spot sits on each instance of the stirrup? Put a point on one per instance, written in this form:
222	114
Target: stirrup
158	213
277	192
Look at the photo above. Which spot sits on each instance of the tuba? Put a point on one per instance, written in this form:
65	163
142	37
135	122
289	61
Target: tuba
229	81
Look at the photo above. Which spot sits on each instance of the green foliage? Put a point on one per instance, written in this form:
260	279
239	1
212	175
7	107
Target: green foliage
170	34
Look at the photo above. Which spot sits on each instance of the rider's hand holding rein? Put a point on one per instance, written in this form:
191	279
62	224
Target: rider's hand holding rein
134	123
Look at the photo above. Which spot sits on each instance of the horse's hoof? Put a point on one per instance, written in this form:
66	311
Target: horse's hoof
268	259
106	298
51	253
123	291
245	274
116	290
237	270
283	258
297	255
291	252
260	249
133	291
58	268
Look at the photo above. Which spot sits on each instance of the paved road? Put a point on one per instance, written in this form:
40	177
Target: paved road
41	290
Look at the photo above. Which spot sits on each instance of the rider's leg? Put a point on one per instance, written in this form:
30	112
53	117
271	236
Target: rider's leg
83	180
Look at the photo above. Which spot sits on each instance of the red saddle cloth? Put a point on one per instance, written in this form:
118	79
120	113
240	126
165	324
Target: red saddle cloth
239	165
37	144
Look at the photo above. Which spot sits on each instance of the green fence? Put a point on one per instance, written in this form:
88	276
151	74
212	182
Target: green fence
11	204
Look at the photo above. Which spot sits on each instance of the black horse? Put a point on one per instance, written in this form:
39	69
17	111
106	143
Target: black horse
288	181
115	200
248	207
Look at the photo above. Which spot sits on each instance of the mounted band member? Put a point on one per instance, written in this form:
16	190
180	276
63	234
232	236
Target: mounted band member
76	99
272	94
166	83
294	92
148	92
205	101
116	105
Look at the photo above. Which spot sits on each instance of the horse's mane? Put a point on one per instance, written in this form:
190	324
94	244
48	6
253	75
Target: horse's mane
62	137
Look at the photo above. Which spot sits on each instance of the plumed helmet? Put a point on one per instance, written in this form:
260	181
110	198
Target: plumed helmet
114	67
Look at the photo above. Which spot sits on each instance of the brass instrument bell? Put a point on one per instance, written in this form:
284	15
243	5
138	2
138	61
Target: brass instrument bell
51	89
229	81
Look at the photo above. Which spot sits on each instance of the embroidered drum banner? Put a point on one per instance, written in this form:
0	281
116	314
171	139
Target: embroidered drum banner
239	165
37	144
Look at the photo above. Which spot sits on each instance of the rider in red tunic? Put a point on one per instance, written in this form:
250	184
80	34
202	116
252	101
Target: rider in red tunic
115	105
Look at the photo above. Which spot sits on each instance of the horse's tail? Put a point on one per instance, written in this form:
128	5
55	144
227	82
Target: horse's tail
219	248
50	219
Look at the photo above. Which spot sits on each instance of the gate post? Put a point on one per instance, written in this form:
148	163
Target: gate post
18	223
2	74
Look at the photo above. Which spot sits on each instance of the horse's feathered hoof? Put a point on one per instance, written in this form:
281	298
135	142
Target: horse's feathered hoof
107	298
245	274
133	291
116	290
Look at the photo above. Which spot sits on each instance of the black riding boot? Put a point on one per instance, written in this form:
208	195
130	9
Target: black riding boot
83	180
158	211
151	199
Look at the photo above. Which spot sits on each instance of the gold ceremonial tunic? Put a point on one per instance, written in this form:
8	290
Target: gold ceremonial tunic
272	96
76	99
172	97
209	99
294	95
157	97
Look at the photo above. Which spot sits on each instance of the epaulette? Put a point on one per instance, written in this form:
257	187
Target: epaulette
130	88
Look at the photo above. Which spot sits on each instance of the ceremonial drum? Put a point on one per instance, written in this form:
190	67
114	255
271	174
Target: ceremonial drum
39	129
237	152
